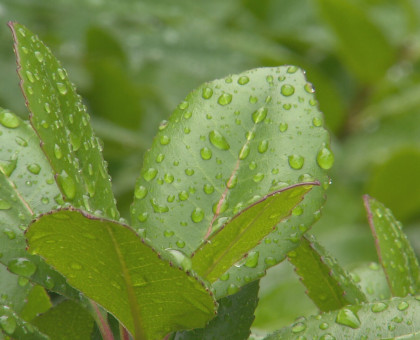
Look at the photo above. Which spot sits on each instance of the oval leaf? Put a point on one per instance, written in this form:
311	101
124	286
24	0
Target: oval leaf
110	264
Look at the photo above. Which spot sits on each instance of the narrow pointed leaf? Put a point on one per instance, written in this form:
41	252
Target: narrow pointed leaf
37	302
388	319
230	143
110	264
328	285
62	123
234	240
13	326
395	253
234	317
66	321
27	188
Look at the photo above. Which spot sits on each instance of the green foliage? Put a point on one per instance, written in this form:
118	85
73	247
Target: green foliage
215	197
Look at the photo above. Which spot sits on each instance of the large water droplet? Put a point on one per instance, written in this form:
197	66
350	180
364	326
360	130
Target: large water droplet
252	259
39	56
189	171
298	327
296	162
8	166
183	195
348	318
283	127
208	189
244	152
258	177
205	153
169	178
287	90
403	305
225	99
158	208
150	174
197	215
22	266
67	185
164	140
207	93
232	289
217	139
243	80
62	88
140	192
9	119
259	115
57	151
263	146
325	158
379	307
34	168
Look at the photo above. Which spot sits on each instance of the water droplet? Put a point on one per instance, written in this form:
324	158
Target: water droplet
4	205
252	165
217	139
22	266
292	69
287	90
183	195
379	307
270	261
197	215
8	324
170	198
225	99
169	178
243	80
324	326
57	152
62	88
49	282
224	277
183	105
30	76
8	166
231	183
325	158
207	93
168	233
34	168
258	177
244	152
403	305
8	119
296	162
317	121
263	146
180	259
348	318
309	88
39	56
67	185
61	73
259	115
158	208
11	235
140	192
150	174
189	171
205	153
164	140
142	217
232	289
298	327
252	259
208	189
163	124
180	244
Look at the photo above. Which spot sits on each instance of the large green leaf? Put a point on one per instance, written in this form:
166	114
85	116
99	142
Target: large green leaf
328	285
396	318
36	302
234	317
363	46
110	264
394	250
66	321
230	143
241	234
61	121
27	188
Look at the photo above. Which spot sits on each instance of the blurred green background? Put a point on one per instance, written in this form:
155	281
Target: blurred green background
134	61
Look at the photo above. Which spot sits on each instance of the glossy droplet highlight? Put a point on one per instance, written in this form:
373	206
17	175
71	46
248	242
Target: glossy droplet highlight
243	80
287	90
243	154
205	153
325	158
67	184
252	259
225	99
208	189
62	88
140	192
347	317
218	140
183	195
57	152
8	119
259	115
39	56
283	127
150	174
207	93
403	305
197	215
298	327
379	307
34	168
164	140
263	146
296	161
22	266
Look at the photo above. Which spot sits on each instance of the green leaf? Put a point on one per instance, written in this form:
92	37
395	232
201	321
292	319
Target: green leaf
110	264
66	321
394	250
240	138
363	46
12	325
62	123
244	231
37	302
27	188
234	317
327	283
378	320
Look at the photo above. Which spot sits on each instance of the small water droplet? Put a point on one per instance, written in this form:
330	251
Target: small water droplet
231	183
205	153
309	88
317	122
163	124
142	217
61	73
22	266
218	140
259	115
403	305
164	140
39	56
287	90
34	168
168	233
140	192
270	261
30	76
252	259
258	177
244	152
183	105
183	195
224	277
67	185
296	162
8	119
325	158
292	69
49	282
57	152
150	174
298	327
180	244
283	127
189	171
62	88
158	208
207	93
263	146
180	259
225	99
197	215
208	189
243	80
169	178
347	317
187	114
323	326
379	307
252	165
232	289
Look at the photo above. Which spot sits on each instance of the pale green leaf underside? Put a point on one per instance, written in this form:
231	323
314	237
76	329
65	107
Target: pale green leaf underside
62	123
27	188
395	253
388	319
328	285
234	240
110	264
230	143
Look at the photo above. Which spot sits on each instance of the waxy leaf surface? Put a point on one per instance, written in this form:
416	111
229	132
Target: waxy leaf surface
230	143
27	188
328	285
230	243
395	253
62	123
110	264
388	319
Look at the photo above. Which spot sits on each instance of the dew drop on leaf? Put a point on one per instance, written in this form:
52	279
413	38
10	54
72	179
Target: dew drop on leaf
62	88
197	215
325	158
232	289
296	161
8	324
263	146
207	93
67	185
347	317
183	195
8	119
208	188
169	178
218	140
379	307
57	152
259	115
34	168
164	140
258	177
283	127
189	172
224	277
39	56
403	305
205	153
252	259
225	99
150	174
270	261
243	80
243	154
298	327
22	266
287	90
140	192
